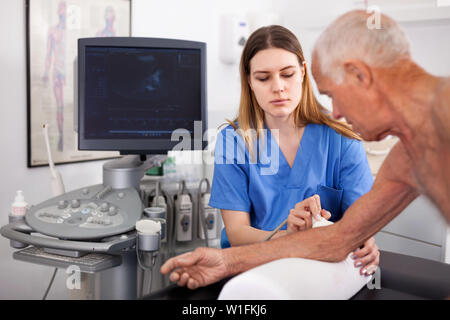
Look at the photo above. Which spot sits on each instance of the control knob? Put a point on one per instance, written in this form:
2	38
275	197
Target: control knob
104	207
75	203
62	204
112	211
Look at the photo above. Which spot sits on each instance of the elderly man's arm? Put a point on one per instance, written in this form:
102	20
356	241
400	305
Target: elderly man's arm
361	221
392	191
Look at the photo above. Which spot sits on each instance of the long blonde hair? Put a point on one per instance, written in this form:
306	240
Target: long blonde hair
250	117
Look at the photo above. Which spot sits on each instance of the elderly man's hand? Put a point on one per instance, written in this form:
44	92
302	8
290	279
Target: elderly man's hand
198	268
367	257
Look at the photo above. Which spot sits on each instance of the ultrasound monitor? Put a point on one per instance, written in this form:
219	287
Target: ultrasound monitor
134	92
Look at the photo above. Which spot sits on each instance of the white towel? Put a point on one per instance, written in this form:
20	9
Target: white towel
297	279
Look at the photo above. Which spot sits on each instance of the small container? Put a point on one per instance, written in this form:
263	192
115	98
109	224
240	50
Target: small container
163	227
157	214
16	244
18	210
149	233
19	206
148	242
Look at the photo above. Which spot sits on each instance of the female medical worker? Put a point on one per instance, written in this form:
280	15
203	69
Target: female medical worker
283	150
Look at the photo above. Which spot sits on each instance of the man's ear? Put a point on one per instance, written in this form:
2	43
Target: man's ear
358	72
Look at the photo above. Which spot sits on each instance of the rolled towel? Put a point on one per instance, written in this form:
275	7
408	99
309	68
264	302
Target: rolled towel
297	279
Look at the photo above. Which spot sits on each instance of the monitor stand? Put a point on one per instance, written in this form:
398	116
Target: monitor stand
128	171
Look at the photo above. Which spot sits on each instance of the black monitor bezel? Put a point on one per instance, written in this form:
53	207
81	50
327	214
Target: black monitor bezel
137	146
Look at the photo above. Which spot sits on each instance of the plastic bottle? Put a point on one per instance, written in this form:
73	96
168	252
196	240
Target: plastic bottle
19	206
18	210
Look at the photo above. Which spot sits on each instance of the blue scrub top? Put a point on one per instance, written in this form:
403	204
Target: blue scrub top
328	164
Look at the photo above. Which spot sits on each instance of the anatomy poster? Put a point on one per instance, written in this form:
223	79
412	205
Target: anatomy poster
53	29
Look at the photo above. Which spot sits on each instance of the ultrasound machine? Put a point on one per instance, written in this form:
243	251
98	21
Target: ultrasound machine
132	93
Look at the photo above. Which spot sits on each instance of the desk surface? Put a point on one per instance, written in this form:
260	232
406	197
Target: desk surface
402	278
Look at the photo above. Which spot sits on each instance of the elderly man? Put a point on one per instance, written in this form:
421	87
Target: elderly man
374	84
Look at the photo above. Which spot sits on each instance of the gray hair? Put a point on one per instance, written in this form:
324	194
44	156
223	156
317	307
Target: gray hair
349	37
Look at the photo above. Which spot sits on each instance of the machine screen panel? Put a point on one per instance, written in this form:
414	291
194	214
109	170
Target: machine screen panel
141	93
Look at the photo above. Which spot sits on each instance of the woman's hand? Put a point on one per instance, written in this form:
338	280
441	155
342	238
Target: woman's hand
300	218
367	257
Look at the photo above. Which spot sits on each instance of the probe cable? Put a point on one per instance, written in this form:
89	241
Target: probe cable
145	268
50	284
276	230
201	210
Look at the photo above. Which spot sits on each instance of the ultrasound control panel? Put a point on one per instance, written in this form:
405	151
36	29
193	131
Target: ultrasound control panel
93	212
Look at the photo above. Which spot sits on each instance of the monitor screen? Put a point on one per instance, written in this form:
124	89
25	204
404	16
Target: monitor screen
134	92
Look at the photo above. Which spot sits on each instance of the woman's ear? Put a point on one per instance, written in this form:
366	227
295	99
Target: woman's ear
249	82
303	69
